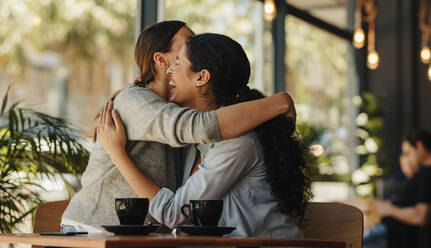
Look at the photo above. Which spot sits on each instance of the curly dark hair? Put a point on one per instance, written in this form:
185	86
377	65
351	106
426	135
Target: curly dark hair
284	153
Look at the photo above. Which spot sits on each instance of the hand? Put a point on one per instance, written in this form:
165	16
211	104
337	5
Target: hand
383	208
110	131
288	105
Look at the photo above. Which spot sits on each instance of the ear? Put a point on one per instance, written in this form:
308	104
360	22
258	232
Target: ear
203	78
160	59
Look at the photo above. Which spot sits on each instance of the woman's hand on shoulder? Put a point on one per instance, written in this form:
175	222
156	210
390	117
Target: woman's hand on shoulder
110	131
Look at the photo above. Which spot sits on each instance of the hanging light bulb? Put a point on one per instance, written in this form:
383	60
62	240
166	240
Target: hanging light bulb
269	9
373	60
425	54
359	38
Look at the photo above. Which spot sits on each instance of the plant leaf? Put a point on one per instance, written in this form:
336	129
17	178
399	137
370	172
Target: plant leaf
5	99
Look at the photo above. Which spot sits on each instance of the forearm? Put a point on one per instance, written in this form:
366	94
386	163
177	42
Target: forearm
148	117
139	182
411	215
237	119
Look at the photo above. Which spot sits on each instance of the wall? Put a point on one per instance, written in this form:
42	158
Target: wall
401	78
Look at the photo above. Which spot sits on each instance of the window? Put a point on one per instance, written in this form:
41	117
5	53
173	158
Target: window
66	57
241	20
317	78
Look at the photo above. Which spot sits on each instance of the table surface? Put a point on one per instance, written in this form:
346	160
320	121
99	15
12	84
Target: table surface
156	240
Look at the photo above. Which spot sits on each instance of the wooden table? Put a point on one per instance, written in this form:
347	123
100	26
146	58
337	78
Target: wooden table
157	240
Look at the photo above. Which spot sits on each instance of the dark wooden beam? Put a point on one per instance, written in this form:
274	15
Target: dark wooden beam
146	14
415	63
307	17
279	39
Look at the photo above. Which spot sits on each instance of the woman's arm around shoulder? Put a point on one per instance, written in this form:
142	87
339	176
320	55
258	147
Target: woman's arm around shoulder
149	117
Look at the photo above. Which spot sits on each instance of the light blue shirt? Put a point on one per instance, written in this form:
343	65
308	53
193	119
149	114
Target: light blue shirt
232	170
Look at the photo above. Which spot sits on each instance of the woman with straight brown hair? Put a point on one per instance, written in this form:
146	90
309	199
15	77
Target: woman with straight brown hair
151	122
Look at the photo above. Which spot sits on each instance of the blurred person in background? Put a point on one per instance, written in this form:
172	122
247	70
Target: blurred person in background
405	220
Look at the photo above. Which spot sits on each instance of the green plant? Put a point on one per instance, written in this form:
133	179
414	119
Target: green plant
318	159
308	135
32	144
369	127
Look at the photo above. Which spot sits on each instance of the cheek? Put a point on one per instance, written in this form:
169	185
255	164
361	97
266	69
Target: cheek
182	80
415	155
166	88
171	60
185	88
182	86
164	91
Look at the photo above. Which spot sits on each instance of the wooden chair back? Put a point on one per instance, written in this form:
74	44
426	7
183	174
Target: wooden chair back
48	216
334	221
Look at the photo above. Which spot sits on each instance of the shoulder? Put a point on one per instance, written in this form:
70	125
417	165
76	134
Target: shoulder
135	99
247	138
424	174
241	154
424	181
133	93
426	168
246	144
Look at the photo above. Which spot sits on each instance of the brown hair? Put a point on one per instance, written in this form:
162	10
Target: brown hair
154	38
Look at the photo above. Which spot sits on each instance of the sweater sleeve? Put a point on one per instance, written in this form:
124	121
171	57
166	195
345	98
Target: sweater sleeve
148	117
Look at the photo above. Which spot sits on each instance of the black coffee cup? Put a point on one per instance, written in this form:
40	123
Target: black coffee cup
131	211
203	212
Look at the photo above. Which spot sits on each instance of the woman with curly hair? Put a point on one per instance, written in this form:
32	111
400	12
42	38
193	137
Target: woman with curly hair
259	175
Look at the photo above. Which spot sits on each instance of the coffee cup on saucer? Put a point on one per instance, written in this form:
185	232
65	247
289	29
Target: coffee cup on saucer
203	212
132	211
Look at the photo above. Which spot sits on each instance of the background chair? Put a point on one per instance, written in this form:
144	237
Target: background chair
48	216
324	221
334	221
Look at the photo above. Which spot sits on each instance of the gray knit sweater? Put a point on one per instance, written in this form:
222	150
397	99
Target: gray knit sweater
150	123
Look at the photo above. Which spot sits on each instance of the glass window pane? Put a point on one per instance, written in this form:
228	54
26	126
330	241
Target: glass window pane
331	11
317	78
66	57
241	20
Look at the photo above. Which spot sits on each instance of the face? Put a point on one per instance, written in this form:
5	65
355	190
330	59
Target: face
183	91
162	87
412	153
408	166
178	41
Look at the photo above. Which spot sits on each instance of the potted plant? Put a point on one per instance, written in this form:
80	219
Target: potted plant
32	145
